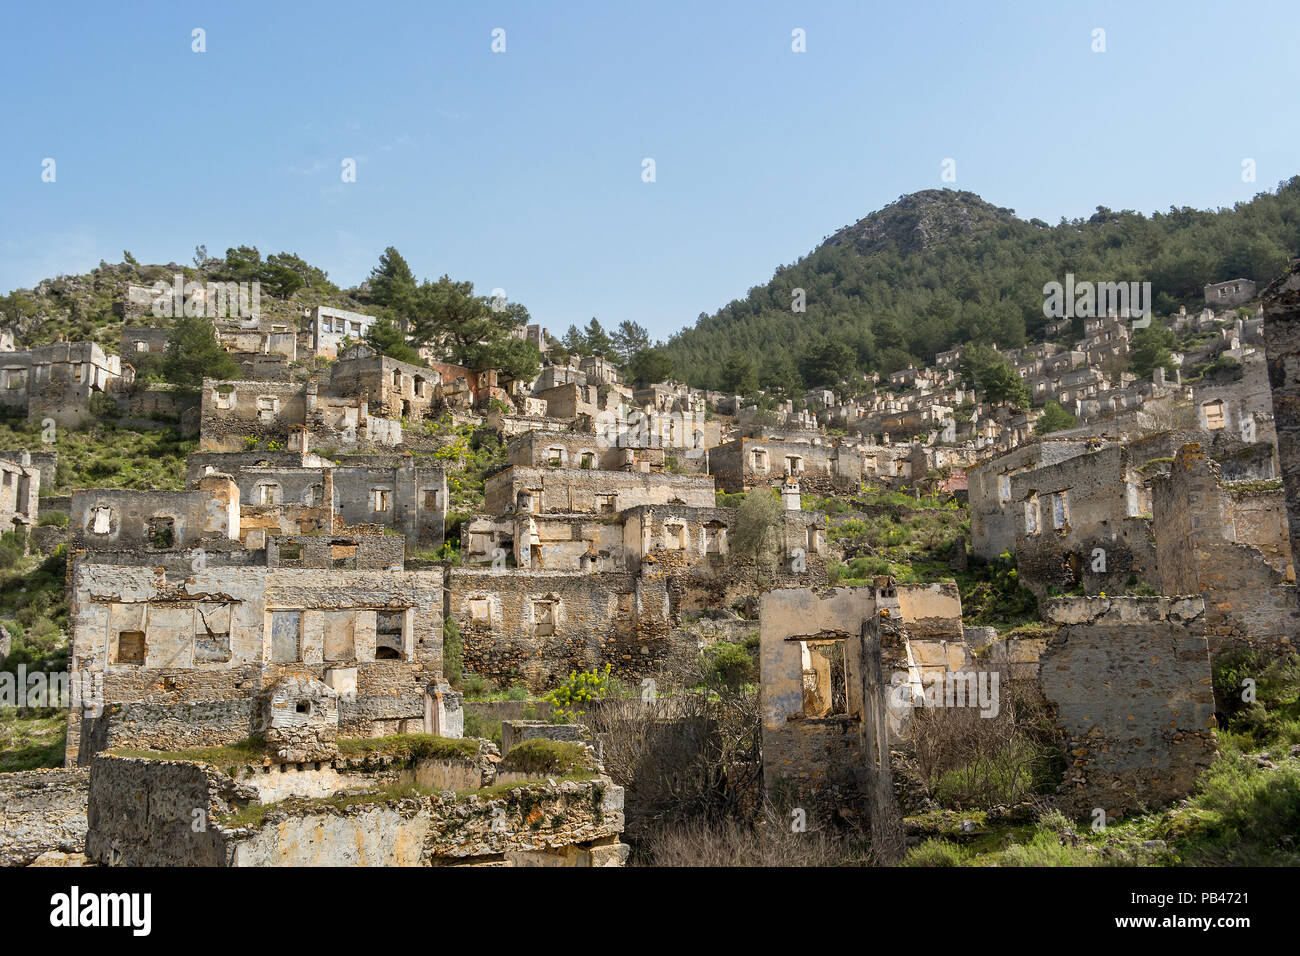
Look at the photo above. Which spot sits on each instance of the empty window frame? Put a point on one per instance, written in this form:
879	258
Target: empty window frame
544	614
162	532
131	647
825	679
389	627
285	636
1060	510
100	521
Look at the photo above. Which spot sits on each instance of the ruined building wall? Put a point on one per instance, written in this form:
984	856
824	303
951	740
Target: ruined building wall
581	490
1282	346
161	640
1080	522
1129	679
536	627
1230	544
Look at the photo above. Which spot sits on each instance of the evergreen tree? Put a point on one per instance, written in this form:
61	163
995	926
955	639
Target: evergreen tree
387	339
194	352
1150	349
597	340
392	284
1054	419
739	377
629	338
650	366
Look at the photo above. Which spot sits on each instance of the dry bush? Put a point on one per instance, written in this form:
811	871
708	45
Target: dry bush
967	760
729	842
682	757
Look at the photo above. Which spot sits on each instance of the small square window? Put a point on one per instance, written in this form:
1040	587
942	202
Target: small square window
131	647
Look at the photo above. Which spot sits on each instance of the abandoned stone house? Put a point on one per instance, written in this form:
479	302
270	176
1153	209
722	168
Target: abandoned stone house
578	490
993	522
1083	521
1233	292
234	414
45	462
296	493
536	627
551	449
748	463
391	389
1126	679
20	484
142	340
325	329
57	381
1241	408
183	631
1229	542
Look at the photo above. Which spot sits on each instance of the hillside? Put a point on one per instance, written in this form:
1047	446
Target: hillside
85	308
939	268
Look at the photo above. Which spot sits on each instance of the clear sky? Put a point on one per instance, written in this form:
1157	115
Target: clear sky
523	169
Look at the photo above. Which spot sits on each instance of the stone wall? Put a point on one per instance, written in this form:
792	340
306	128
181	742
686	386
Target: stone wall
814	762
1229	543
992	522
535	628
590	491
1282	346
1130	682
1080	522
143	812
182	639
42	812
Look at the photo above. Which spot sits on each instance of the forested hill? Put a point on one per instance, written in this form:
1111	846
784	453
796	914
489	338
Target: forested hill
939	267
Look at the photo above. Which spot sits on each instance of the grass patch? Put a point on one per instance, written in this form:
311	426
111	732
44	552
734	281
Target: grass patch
32	743
540	755
228	756
409	746
253	815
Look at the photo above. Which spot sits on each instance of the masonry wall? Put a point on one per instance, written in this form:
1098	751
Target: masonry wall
57	380
992	522
1230	544
815	763
578	489
141	813
1282	347
761	463
536	627
1104	542
42	812
1130	682
177	639
391	389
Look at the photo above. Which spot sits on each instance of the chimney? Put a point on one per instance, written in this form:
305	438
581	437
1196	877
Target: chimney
299	440
790	495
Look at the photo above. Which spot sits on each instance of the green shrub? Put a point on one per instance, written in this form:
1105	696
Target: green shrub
453	651
1046	849
934	852
476	725
1243	803
55	517
579	688
539	755
728	665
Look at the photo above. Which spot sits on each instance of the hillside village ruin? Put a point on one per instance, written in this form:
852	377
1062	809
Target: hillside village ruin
296	589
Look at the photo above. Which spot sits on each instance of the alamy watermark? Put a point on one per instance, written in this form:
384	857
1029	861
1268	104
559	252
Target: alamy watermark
1090	300
215	300
81	689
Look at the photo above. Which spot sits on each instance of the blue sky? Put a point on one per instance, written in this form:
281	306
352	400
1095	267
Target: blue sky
522	170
